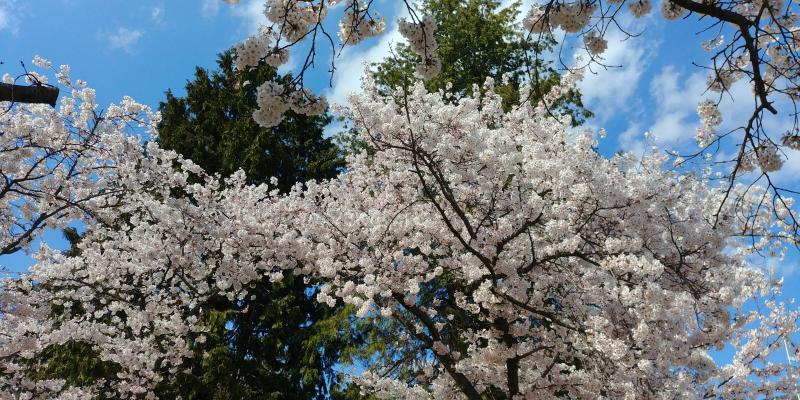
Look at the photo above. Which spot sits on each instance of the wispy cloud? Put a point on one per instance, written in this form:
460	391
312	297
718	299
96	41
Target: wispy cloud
780	268
124	39
157	14
789	175
9	19
674	97
350	66
249	13
632	139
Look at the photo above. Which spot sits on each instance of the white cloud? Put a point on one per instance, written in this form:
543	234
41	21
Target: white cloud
789	175
124	39
157	14
9	19
350	66
350	71
777	268
672	101
675	99
607	90
251	13
4	18
350	63
632	139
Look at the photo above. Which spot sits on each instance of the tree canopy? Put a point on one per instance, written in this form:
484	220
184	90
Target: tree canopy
478	248
577	275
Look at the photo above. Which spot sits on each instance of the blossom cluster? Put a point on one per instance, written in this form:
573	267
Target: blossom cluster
766	56
274	100
501	243
671	11
710	116
358	23
792	141
292	18
255	48
595	45
421	40
768	156
577	267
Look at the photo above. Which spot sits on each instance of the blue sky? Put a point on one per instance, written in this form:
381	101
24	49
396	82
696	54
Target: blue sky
143	48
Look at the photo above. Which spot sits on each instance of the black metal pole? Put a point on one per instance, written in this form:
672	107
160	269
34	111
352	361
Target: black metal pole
29	94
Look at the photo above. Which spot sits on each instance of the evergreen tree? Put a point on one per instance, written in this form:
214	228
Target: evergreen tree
479	39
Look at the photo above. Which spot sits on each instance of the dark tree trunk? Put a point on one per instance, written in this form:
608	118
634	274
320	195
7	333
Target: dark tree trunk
29	94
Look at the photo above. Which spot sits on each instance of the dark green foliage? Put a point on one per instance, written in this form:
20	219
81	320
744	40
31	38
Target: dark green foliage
479	39
74	238
275	350
213	126
75	362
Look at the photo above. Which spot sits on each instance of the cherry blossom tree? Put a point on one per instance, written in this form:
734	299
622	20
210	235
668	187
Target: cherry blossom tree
52	159
581	276
757	41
